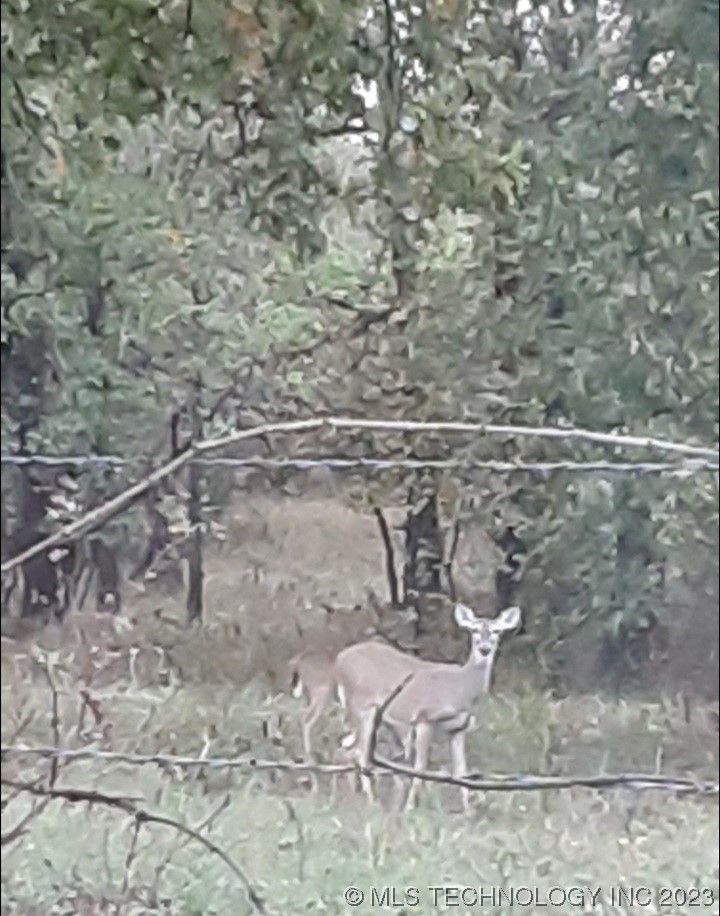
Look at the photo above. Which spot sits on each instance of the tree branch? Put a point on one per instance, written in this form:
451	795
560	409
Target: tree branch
389	557
129	806
506	783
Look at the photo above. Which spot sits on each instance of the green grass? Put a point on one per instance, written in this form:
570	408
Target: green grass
302	851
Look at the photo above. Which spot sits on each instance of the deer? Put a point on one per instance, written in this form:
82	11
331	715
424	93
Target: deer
434	698
313	679
431	698
312	674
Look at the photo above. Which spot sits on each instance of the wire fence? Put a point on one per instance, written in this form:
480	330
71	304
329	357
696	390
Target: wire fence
694	456
96	517
688	460
685	468
516	782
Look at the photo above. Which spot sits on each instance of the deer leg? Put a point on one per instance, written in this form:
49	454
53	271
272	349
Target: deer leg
402	783
351	754
311	714
350	744
459	765
347	755
318	700
364	732
306	728
423	739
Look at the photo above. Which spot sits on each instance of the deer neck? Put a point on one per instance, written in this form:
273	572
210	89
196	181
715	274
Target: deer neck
476	675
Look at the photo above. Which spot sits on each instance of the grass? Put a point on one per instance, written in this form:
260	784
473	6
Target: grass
303	850
224	687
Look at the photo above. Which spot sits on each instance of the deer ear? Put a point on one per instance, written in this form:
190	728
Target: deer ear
509	619
464	617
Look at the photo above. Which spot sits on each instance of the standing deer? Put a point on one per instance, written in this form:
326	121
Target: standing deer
434	698
437	697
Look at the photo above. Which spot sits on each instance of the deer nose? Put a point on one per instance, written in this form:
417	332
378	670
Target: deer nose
484	651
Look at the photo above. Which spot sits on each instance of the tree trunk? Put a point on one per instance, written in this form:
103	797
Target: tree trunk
194	510
422	572
506	578
108	596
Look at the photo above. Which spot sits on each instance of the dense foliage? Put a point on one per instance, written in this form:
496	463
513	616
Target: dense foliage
440	211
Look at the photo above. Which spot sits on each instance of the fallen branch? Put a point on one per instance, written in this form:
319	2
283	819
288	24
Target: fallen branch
381	767
169	761
523	783
541	432
101	514
379	712
203	825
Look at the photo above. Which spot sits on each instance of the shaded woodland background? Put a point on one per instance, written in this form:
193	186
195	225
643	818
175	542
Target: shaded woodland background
217	215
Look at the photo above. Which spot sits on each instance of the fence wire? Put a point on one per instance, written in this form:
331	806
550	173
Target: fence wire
686	468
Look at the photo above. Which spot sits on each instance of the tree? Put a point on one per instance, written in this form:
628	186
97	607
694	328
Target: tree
439	211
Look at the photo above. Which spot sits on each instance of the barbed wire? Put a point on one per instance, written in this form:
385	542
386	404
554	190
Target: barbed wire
98	516
517	782
678	469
